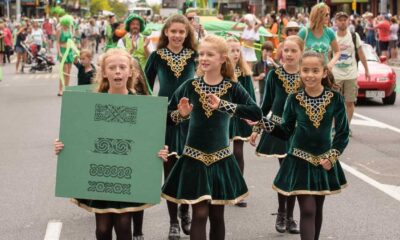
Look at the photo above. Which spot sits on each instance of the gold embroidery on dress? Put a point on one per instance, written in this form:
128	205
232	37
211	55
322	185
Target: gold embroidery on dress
315	107
238	72
276	119
202	89
176	62
207	158
331	155
291	82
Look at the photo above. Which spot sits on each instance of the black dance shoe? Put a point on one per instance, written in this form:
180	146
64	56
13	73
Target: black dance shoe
174	232
186	221
291	226
241	204
280	224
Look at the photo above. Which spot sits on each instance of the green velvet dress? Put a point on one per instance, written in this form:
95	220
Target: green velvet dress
100	206
279	84
307	121
172	70
239	129
207	169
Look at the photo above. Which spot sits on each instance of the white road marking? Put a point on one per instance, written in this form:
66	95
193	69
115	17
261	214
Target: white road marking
53	230
377	123
393	191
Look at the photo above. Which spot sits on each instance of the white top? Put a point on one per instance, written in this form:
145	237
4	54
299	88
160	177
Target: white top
37	36
250	34
394	29
346	67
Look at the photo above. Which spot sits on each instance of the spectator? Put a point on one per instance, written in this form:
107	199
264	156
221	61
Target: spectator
6	36
360	29
194	20
49	32
394	29
382	25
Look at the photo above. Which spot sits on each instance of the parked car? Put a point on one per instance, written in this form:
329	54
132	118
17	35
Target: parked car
382	83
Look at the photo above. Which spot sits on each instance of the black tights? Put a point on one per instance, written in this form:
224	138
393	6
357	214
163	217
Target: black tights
137	223
201	212
121	222
310	216
173	207
238	153
286	203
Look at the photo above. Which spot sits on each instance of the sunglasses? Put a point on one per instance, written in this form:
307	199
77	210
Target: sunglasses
190	18
292	30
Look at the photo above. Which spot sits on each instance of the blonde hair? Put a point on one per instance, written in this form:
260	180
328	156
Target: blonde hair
317	15
296	39
221	46
136	83
87	53
242	64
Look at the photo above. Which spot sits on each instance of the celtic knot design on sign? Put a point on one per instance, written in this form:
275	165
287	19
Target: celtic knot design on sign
106	187
112	113
110	171
113	146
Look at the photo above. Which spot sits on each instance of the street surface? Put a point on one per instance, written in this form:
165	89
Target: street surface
368	209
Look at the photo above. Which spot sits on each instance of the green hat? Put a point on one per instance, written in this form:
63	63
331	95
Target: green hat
130	18
67	20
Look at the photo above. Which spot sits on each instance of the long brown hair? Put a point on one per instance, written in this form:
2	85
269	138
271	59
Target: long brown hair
136	83
317	15
190	40
329	80
221	46
242	64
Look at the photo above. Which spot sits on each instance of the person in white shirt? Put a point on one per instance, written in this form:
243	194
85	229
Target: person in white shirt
37	36
345	70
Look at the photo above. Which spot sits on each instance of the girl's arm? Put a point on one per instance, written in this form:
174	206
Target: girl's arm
179	107
58	33
341	138
268	99
236	27
286	129
150	69
242	106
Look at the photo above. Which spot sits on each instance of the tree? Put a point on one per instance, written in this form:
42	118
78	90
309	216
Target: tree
118	8
99	5
156	8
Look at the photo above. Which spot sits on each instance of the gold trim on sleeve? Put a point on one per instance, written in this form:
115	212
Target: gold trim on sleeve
332	155
177	118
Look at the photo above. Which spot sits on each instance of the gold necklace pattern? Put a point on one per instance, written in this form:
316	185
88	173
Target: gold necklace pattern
202	89
176	62
291	82
315	107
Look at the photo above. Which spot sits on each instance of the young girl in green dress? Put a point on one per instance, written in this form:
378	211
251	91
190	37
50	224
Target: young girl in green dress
173	63
207	174
63	35
239	130
311	168
119	74
279	84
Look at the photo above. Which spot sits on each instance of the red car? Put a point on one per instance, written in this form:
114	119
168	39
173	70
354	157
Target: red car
382	83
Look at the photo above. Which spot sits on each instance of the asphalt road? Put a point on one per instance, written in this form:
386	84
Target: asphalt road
29	123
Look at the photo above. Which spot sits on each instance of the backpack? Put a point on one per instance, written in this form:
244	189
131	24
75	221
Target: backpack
354	38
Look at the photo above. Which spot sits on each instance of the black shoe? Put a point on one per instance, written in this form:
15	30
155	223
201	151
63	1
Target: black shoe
241	204
174	232
186	221
280	225
140	237
291	226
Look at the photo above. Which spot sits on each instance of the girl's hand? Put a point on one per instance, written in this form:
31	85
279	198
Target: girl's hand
249	122
163	153
330	66
184	107
58	146
253	139
213	101
326	164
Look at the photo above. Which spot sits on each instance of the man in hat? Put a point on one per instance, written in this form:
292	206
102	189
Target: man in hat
136	44
345	70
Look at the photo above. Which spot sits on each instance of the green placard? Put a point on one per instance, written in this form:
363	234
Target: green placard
82	88
111	145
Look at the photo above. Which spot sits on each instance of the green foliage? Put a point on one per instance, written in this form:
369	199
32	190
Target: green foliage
156	8
118	8
99	5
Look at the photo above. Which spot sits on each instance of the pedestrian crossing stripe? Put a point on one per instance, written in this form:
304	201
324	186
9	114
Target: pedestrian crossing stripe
36	76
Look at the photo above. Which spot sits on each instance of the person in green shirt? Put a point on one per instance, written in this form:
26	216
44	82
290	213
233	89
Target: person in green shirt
135	42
